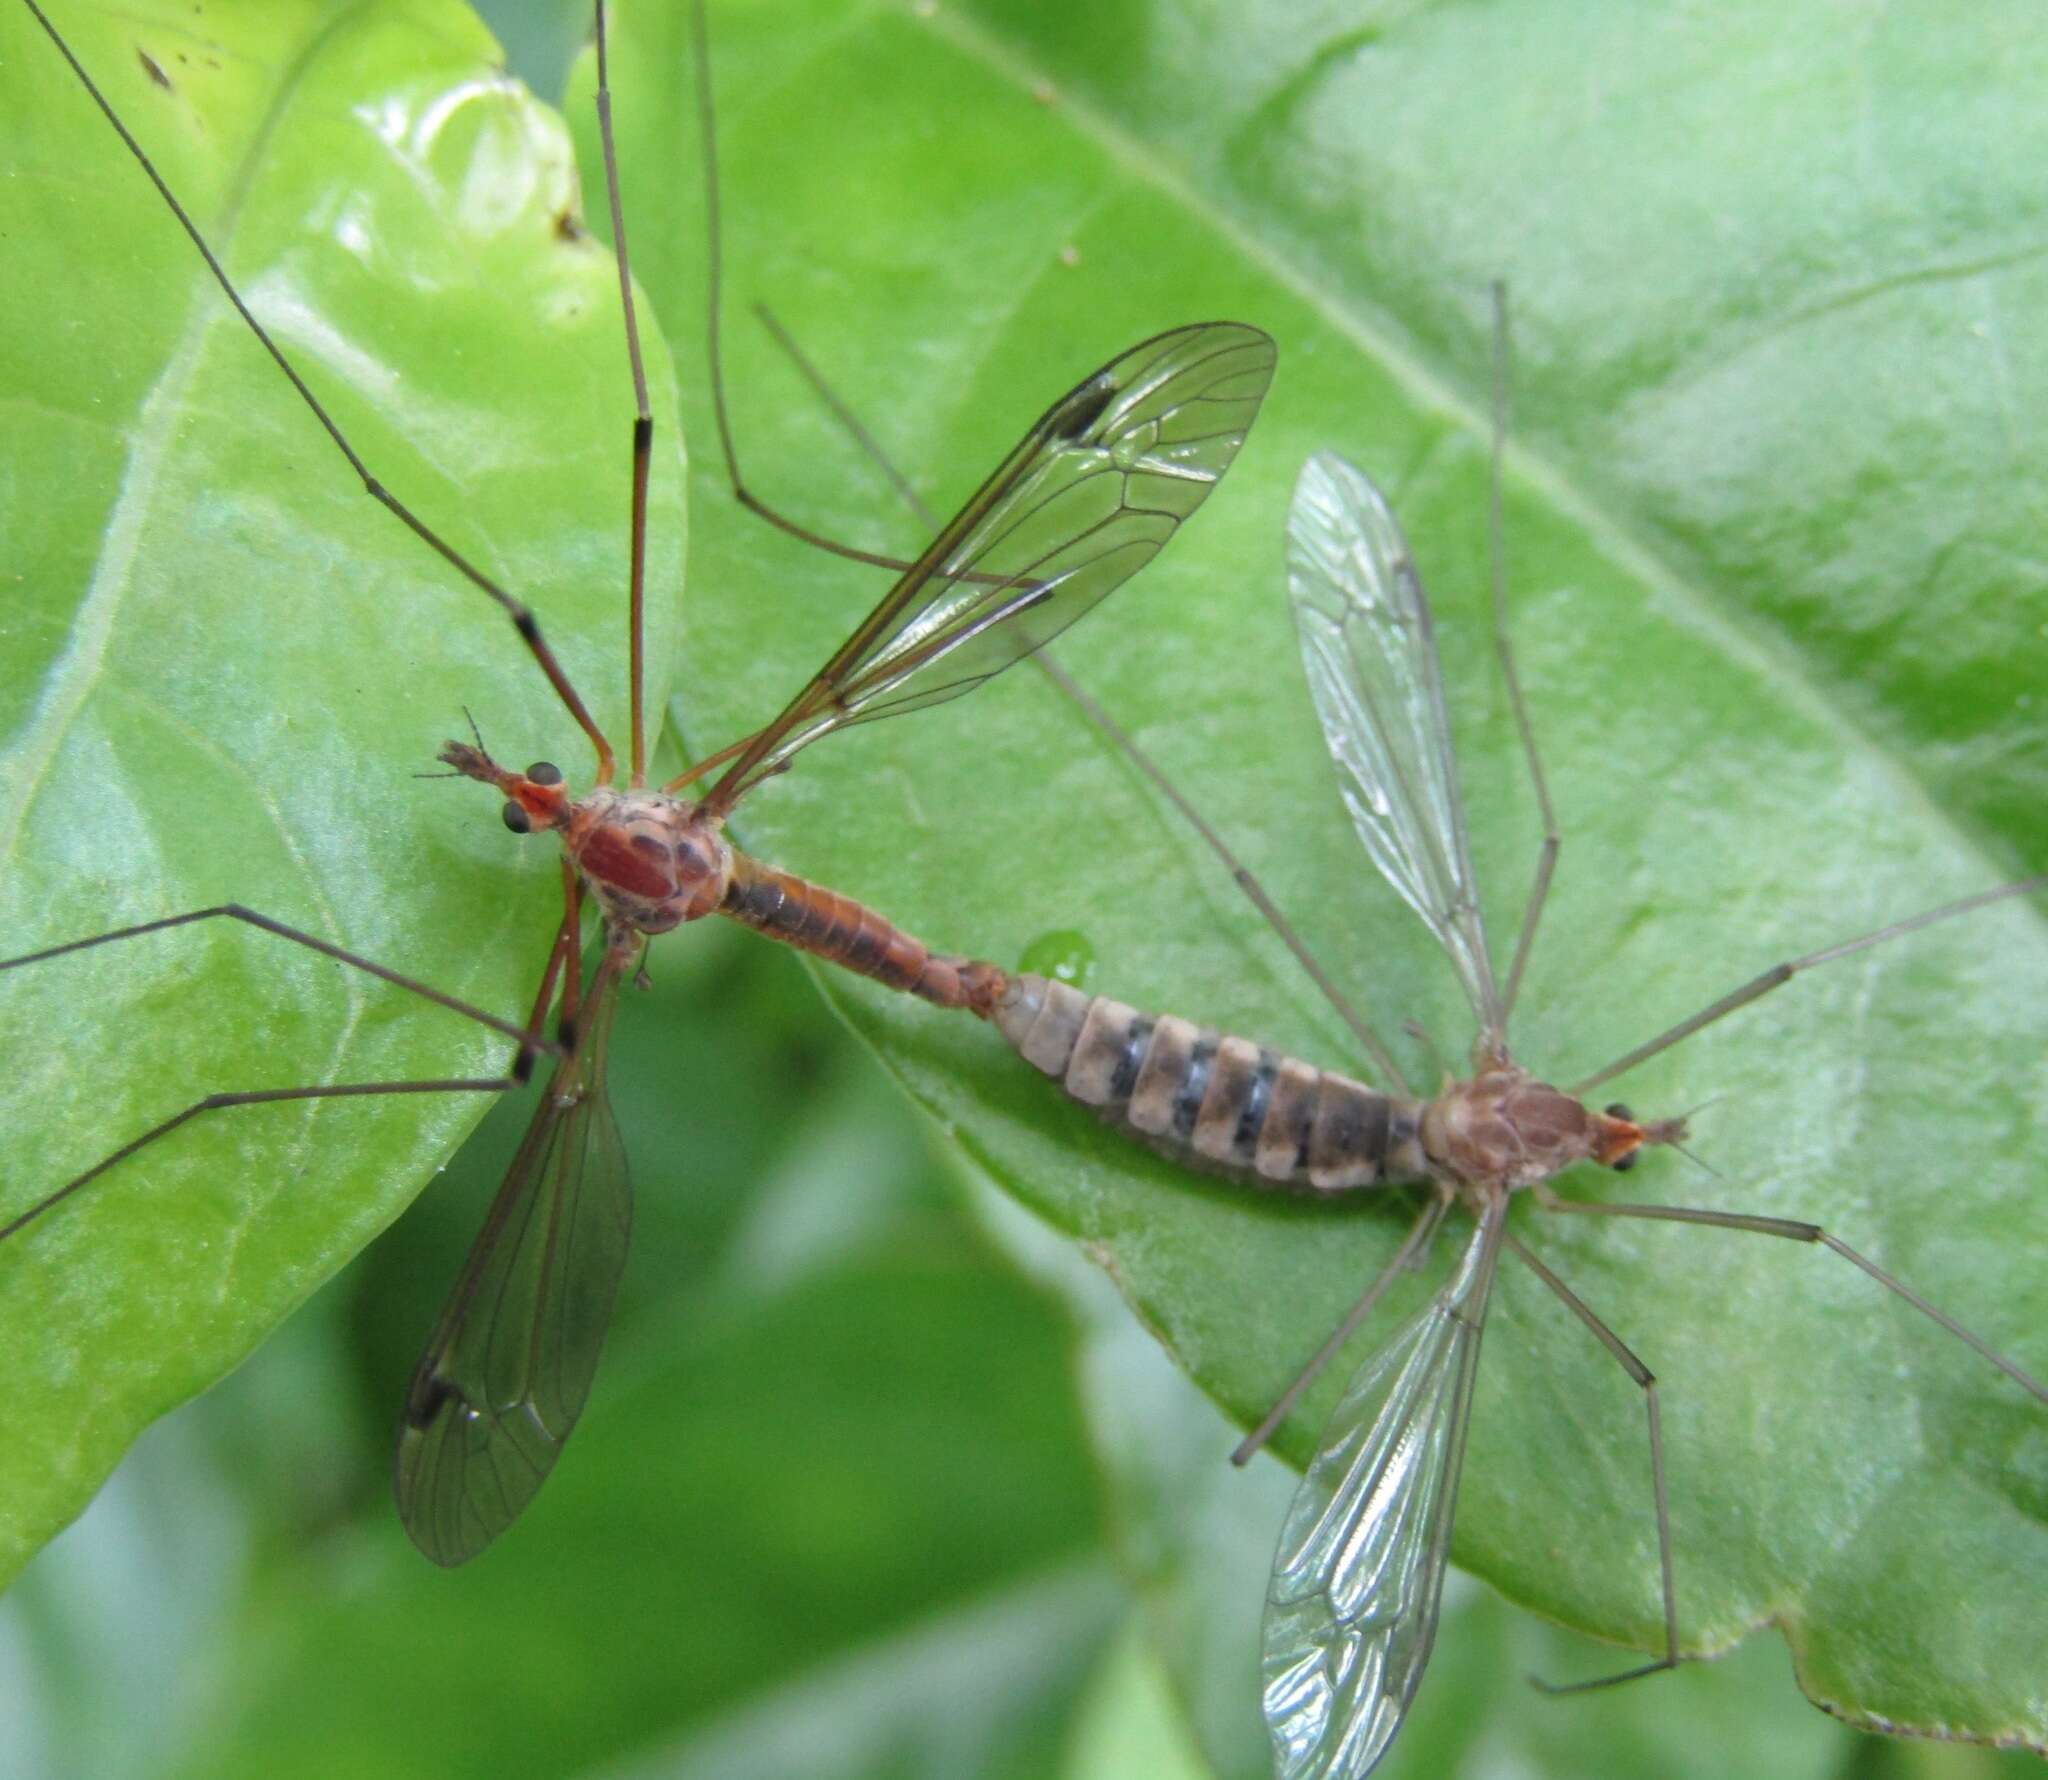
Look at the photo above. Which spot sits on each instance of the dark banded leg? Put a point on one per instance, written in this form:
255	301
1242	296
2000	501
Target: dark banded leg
1407	1256
562	955
531	1040
1795	1230
523	620
643	418
1496	550
1645	1381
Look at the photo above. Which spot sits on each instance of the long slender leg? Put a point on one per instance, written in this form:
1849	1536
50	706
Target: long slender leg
714	313
233	911
1794	1230
571	1009
1407	1256
707	121
1645	1381
521	615
530	1037
1779	974
252	1097
1240	874
643	413
561	955
1496	549
1112	731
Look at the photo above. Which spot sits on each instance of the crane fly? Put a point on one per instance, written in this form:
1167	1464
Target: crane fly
1093	490
1358	1575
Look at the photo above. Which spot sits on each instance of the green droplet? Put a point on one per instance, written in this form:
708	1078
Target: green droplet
1063	955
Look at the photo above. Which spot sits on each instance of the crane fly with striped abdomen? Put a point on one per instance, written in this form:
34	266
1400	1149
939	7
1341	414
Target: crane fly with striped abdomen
1093	490
1356	1582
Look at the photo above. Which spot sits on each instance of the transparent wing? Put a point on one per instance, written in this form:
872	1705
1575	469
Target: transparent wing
1369	647
508	1367
1093	492
1352	1609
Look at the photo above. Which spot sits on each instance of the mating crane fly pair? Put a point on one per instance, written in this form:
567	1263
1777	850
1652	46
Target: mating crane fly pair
1091	493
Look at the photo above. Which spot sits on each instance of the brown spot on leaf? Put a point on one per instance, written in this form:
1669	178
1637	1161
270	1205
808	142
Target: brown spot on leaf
152	68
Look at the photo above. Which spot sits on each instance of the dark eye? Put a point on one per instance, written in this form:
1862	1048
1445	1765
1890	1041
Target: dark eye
516	819
1618	1111
1627	1162
544	772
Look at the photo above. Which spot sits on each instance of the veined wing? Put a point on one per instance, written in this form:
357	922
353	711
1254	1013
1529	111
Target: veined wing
508	1368
1369	646
1351	1612
1100	482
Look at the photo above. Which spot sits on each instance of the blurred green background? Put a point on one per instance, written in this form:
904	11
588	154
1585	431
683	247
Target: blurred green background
877	1481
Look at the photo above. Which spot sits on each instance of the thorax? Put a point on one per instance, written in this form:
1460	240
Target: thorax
652	861
1506	1128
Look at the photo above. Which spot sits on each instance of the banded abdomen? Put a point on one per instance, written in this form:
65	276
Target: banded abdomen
1228	1101
849	934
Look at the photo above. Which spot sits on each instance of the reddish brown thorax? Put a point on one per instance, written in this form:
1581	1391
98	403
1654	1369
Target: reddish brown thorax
1506	1127
653	861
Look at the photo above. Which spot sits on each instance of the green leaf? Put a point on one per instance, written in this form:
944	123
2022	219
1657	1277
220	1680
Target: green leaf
225	664
1778	609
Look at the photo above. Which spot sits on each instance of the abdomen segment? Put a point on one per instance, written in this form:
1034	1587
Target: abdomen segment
853	936
1228	1101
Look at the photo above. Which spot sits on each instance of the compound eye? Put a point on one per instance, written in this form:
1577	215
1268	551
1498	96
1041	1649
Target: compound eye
1619	1111
517	819
544	772
1627	1162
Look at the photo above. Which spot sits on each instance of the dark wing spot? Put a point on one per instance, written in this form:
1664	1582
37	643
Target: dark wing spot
568	225
151	68
424	1401
1082	409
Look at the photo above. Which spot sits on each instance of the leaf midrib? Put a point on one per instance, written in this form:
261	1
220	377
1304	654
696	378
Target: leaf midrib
1771	659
